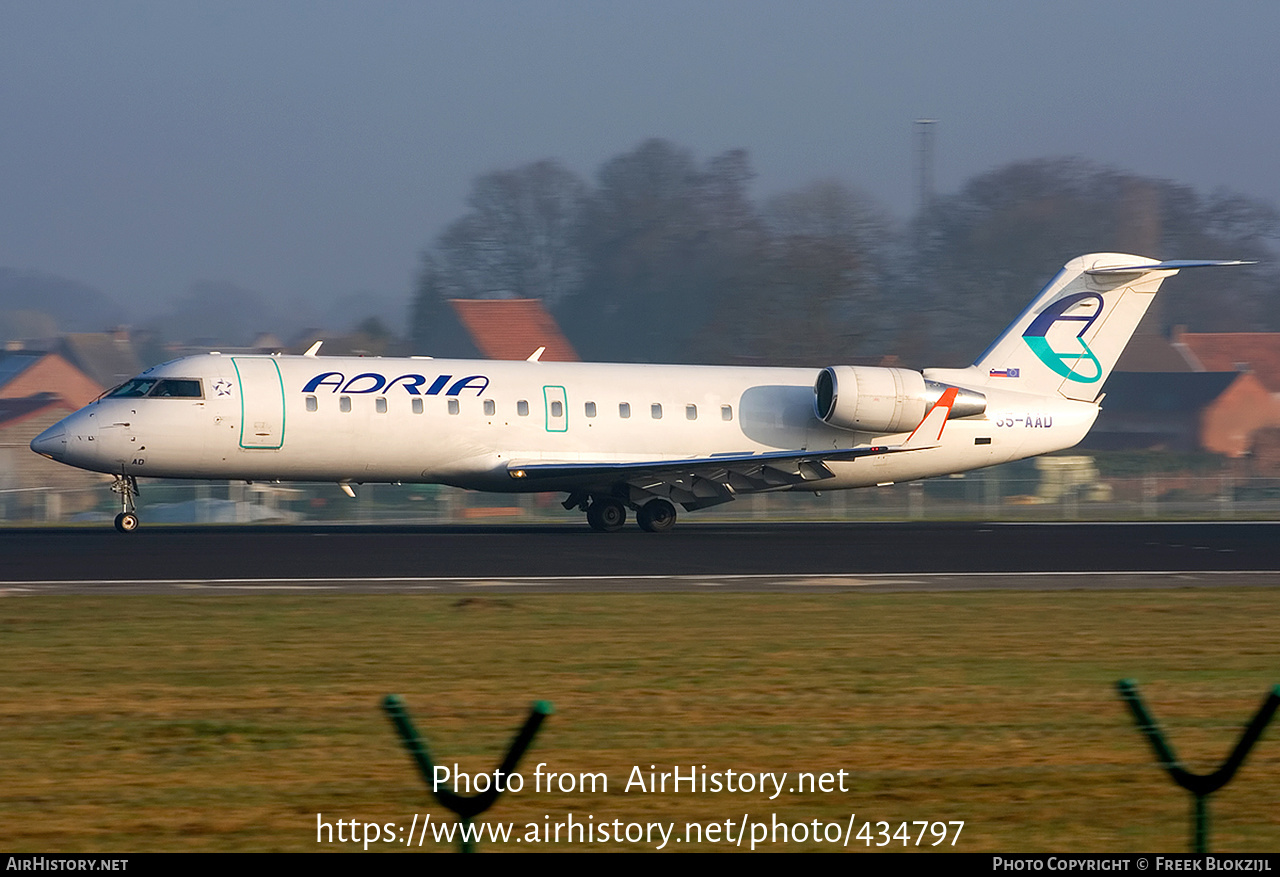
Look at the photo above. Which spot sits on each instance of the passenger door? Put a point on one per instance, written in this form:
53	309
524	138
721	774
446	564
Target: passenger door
261	403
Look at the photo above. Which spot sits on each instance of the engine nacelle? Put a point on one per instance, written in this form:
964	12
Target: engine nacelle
870	399
883	400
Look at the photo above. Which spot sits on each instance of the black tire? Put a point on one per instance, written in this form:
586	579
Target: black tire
127	522
656	516
607	515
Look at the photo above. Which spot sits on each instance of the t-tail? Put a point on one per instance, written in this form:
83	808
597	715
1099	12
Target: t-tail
1069	338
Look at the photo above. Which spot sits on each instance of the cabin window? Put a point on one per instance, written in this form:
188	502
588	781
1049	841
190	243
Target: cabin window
380	404
590	409
133	388
160	388
522	408
344	404
726	412
655	410
311	403
557	408
691	412
177	388
417	405
453	406
624	410
490	408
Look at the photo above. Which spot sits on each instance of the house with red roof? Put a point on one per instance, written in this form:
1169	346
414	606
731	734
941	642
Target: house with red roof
1217	392
26	372
513	328
496	328
1256	354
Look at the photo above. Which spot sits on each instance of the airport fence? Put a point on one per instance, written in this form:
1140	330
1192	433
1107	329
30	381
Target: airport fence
1047	489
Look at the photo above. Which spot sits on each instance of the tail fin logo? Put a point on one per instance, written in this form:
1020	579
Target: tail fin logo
1067	363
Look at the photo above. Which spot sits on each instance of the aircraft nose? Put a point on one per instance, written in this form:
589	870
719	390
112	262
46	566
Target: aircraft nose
51	443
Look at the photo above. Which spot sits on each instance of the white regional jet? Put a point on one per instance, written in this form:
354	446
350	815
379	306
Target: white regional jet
618	437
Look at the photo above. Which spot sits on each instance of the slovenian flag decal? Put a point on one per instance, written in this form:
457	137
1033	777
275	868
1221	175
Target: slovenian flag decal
1004	373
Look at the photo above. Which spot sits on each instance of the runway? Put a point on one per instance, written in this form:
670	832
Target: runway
527	559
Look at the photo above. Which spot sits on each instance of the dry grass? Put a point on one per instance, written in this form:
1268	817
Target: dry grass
217	723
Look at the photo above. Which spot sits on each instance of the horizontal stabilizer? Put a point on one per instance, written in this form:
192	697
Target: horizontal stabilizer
1170	265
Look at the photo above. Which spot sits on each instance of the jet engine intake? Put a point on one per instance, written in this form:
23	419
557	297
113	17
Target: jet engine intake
883	400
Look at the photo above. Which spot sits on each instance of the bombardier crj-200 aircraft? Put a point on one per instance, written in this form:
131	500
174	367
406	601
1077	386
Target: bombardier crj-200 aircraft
618	437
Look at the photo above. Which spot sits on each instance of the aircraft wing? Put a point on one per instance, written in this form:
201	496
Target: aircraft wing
698	482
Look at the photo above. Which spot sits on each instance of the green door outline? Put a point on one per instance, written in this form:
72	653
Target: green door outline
265	399
552	394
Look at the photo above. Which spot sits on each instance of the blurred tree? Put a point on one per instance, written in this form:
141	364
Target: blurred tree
520	240
667	259
71	305
830	248
1222	225
985	250
27	324
373	327
664	240
818	276
369	337
215	312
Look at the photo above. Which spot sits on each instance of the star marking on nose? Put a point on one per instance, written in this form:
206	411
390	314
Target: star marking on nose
222	388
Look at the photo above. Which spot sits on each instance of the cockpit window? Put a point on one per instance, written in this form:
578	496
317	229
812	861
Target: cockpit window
172	388
185	388
132	389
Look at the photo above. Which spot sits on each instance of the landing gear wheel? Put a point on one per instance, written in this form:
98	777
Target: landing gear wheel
656	516
127	488
606	515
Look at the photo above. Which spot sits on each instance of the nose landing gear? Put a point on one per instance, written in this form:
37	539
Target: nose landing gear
127	486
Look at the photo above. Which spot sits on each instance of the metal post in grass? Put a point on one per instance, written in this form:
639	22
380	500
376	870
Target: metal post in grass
464	807
1201	786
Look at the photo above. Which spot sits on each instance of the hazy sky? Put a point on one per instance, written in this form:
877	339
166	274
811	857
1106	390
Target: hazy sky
312	149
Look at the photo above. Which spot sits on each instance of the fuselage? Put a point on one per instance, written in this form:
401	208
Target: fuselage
618	437
467	423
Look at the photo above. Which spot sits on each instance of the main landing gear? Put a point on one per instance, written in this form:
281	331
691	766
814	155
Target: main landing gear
656	516
608	514
127	486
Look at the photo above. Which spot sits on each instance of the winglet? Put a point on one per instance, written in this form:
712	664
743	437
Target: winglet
313	349
536	355
929	433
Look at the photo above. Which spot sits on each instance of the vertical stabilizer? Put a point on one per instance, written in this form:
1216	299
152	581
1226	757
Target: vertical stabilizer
1068	339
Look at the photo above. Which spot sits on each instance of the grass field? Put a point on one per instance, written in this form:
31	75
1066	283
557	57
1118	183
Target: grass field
222	723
